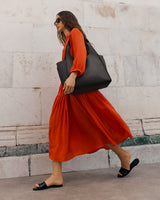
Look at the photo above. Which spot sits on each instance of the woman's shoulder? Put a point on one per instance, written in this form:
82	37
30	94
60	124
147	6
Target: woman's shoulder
76	31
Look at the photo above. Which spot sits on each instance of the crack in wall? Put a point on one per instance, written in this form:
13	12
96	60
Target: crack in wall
109	160
142	127
29	166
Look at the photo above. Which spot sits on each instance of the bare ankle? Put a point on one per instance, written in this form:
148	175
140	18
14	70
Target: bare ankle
54	174
128	154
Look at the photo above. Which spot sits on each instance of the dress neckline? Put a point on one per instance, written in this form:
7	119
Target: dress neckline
67	36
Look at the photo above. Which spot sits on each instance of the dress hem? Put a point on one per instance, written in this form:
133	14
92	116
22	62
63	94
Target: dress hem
89	152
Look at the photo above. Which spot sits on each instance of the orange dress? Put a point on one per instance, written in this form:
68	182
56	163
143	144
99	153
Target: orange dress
82	123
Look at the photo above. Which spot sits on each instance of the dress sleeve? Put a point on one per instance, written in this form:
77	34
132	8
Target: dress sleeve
79	51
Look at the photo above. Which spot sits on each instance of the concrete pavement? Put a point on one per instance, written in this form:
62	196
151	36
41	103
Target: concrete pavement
143	183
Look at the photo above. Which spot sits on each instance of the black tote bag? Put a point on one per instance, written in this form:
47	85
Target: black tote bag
95	76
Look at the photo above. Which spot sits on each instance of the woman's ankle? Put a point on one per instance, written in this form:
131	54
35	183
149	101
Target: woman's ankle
57	174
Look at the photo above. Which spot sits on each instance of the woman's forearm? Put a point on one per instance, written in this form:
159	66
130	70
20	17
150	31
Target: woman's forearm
74	74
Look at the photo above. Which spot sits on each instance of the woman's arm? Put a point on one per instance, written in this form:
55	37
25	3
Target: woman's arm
79	51
79	54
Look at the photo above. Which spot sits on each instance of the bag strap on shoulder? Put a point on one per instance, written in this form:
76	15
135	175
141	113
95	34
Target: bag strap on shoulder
86	41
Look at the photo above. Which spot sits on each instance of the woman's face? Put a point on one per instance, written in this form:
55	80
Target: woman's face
59	25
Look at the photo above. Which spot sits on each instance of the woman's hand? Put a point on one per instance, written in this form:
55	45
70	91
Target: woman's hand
70	83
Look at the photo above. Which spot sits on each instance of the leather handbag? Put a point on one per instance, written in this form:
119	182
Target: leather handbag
95	75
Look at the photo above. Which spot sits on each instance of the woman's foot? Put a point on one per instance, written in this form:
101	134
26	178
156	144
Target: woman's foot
124	171
53	180
125	161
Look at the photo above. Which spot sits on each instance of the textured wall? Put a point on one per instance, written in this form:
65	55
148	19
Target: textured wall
127	34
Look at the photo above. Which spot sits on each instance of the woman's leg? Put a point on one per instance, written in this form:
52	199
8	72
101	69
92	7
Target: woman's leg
56	177
123	155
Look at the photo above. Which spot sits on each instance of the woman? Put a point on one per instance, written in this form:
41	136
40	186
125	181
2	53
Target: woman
81	123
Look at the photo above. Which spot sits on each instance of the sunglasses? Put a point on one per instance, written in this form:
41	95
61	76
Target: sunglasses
57	20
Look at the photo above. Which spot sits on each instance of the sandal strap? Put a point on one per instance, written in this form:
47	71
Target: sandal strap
124	171
42	185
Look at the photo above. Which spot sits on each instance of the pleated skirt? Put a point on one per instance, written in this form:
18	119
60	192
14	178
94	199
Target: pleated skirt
82	124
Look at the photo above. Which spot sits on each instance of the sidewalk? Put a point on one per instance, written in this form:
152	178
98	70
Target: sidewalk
143	183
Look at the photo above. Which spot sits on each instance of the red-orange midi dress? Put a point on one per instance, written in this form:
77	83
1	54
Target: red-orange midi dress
82	123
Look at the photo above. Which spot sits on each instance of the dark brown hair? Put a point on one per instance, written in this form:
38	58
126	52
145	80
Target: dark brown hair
70	21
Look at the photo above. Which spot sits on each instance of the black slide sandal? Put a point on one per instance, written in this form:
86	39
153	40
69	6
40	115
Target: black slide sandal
124	171
43	186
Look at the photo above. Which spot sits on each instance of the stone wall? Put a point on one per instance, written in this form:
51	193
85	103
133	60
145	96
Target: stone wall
127	34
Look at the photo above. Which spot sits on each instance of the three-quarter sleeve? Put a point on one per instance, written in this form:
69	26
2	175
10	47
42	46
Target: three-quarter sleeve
79	51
